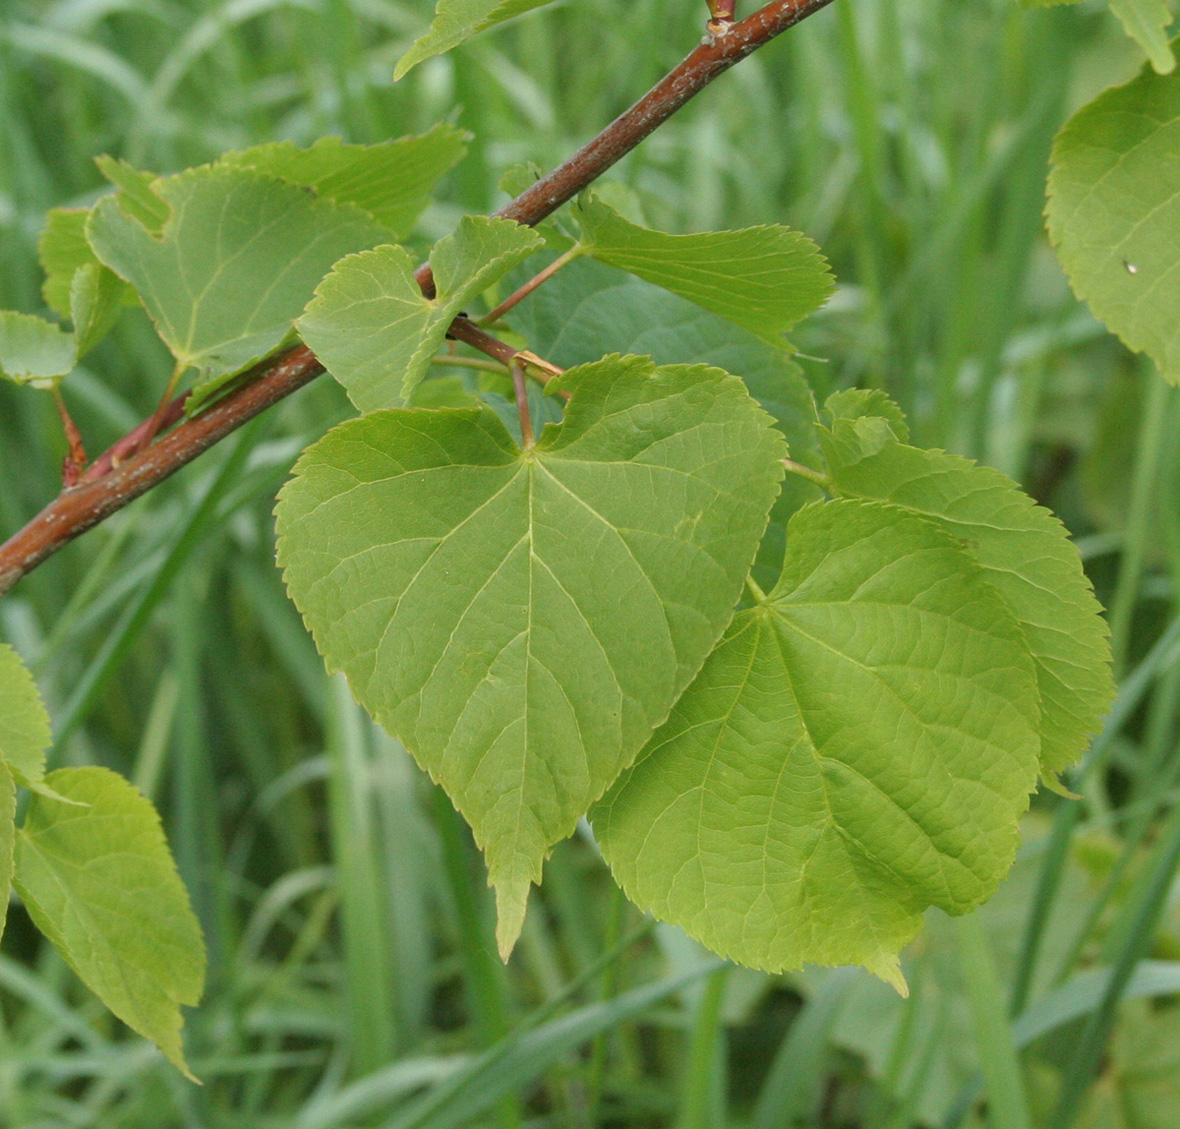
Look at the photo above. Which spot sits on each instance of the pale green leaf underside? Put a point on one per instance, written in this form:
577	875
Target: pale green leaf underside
374	330
235	264
1114	213
97	879
96	300
24	722
856	749
391	181
763	278
456	21
1026	553
1147	22
33	350
522	621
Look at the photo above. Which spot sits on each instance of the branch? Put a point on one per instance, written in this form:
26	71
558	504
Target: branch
107	490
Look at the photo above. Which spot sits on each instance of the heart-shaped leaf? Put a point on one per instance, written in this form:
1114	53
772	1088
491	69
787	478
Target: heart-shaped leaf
238	258
391	181
98	880
1025	552
859	747
374	329
1114	212
523	619
34	351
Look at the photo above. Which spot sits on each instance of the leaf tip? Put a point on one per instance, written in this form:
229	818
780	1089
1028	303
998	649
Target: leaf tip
512	899
888	968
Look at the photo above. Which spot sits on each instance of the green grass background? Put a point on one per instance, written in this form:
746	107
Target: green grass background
353	975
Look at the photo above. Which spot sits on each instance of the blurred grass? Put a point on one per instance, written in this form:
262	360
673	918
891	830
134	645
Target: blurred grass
354	978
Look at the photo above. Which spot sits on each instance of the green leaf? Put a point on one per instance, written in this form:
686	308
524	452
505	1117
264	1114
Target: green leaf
235	263
24	723
867	403
391	181
7	839
522	620
34	351
63	251
763	278
137	193
1114	212
590	307
1026	553
1147	22
372	327
97	879
859	747
96	301
456	21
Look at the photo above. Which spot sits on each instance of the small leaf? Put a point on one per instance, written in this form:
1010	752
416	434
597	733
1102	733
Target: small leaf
24	723
98	880
867	403
1114	212
235	263
858	748
63	251
7	839
34	351
1147	22
456	21
1026	553
137	193
96	301
374	330
522	620
763	278
391	181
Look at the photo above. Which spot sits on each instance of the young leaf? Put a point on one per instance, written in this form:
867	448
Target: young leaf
372	327
34	351
1114	212
24	724
763	278
97	879
522	620
391	181
456	21
235	263
1025	552
859	747
136	195
1147	22
62	249
96	300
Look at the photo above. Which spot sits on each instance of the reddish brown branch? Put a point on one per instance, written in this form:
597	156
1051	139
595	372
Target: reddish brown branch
129	469
76	510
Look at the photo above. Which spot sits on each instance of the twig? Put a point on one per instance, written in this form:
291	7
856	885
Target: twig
77	510
73	463
522	405
112	482
532	284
